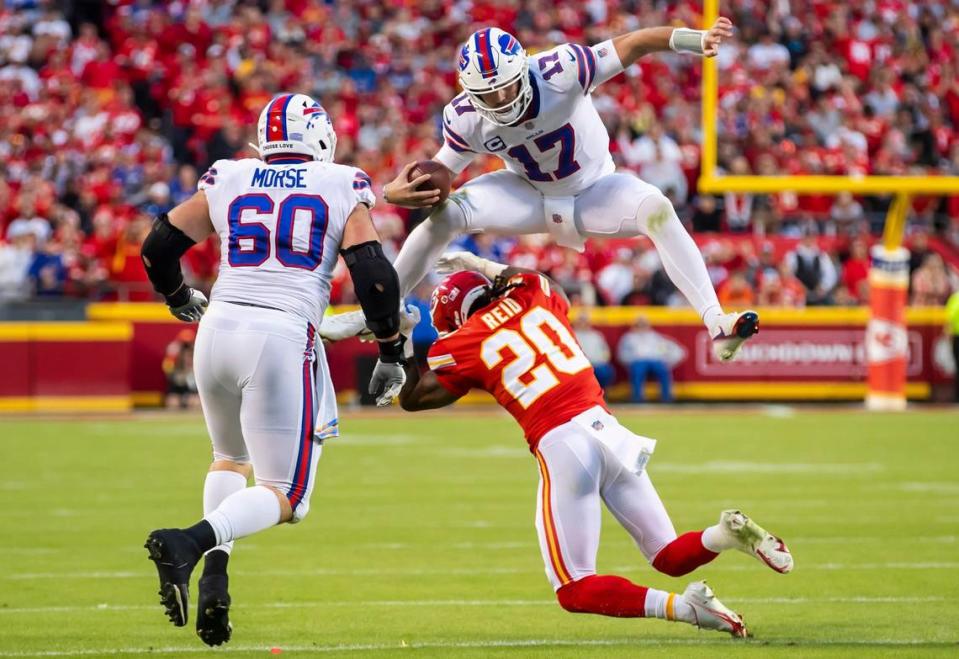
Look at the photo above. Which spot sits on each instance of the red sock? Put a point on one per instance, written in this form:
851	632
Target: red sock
604	594
683	555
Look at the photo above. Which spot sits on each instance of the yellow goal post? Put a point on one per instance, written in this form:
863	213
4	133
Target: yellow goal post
886	339
711	182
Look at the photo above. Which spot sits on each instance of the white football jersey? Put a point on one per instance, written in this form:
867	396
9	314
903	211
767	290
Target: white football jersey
280	229
561	146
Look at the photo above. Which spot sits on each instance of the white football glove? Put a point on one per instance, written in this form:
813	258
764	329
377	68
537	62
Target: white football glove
193	309
456	261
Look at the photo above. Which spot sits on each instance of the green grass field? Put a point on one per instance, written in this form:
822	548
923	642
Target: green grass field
421	541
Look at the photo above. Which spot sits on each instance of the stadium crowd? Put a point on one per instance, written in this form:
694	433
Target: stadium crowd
109	111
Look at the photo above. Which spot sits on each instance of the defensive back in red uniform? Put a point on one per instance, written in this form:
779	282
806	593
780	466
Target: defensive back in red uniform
521	349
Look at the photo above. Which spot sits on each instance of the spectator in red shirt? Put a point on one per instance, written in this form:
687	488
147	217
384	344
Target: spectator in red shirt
855	270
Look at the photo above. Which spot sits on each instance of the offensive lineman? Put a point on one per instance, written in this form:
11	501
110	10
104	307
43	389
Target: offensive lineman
537	115
262	377
505	330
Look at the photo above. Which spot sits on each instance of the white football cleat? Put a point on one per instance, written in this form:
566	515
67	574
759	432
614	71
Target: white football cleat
339	326
750	538
711	613
734	329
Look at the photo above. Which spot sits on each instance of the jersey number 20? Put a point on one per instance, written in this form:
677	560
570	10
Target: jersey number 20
250	242
524	382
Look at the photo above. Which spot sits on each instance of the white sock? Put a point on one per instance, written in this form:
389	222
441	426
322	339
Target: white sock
244	513
426	243
217	487
668	606
685	266
716	539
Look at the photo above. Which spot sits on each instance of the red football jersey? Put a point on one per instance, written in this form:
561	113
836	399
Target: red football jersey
522	350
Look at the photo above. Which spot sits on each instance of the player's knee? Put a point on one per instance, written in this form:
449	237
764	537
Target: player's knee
228	457
293	507
656	214
299	512
243	468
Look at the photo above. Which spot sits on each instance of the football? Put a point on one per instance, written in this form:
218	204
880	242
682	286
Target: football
440	177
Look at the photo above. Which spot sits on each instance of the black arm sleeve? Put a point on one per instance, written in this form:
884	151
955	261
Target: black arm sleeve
161	254
377	287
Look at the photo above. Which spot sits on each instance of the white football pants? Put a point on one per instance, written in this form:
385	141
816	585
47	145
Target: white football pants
260	388
577	472
617	205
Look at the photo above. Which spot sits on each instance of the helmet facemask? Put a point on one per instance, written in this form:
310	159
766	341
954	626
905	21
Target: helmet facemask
510	111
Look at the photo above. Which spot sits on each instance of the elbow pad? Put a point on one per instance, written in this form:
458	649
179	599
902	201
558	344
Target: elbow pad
377	287
161	252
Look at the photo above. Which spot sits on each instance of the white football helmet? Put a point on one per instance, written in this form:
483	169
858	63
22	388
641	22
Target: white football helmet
295	123
492	60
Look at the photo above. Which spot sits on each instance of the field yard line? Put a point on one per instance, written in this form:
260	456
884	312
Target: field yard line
478	603
322	572
514	643
894	565
618	542
741	467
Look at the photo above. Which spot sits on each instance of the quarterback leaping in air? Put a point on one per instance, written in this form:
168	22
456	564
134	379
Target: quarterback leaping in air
536	114
505	330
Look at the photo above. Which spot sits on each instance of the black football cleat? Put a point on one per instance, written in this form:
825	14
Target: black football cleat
213	609
175	555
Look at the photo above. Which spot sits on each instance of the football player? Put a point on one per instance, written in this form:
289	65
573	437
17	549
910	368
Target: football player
536	114
264	384
505	330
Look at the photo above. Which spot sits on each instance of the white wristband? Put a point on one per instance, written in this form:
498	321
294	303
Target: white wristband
684	40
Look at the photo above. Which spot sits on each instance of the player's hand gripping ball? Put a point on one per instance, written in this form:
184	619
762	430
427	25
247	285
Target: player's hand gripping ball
419	185
440	178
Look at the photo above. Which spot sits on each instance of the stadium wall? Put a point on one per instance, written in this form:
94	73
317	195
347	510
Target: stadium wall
65	367
112	361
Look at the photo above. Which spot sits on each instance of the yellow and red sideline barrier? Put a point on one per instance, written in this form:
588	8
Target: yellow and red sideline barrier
65	367
112	361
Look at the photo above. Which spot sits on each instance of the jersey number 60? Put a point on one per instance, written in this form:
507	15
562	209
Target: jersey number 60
250	243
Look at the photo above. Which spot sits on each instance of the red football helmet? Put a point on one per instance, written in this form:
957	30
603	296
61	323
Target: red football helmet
451	300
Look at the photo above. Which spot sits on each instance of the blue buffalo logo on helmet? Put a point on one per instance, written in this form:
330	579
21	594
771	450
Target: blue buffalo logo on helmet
508	44
464	57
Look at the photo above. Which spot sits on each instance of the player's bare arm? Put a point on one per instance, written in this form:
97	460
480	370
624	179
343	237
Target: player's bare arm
633	45
401	191
378	291
424	392
169	239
